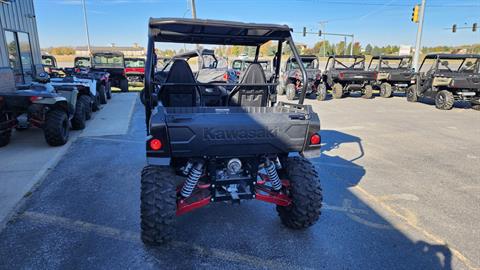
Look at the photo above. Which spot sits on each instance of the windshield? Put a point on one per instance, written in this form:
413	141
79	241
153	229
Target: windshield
134	63
107	60
453	65
308	63
82	62
347	63
400	63
48	61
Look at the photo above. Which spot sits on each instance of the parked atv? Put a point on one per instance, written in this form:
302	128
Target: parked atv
394	73
450	77
82	69
87	92
291	83
248	147
345	74
41	105
135	70
114	64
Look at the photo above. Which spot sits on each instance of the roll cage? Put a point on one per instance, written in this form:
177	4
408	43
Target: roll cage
382	64
337	59
463	57
215	32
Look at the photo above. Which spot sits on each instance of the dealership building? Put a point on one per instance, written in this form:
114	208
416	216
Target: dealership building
20	57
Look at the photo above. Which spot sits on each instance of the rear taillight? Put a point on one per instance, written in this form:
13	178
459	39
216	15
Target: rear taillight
155	144
315	139
32	99
341	75
375	75
225	77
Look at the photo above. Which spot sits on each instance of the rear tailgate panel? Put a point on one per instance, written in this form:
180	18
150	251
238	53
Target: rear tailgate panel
235	131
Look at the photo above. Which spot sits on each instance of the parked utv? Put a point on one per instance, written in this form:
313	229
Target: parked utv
446	78
291	82
246	147
114	64
345	74
394	73
240	65
135	70
41	105
49	63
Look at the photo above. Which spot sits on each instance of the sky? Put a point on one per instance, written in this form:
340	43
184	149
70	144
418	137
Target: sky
376	22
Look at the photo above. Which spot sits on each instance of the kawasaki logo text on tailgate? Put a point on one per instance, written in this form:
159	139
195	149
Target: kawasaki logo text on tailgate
213	134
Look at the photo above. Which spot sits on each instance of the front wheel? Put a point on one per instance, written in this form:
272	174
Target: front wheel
321	91
80	116
290	91
411	94
386	90
124	85
87	104
444	100
158	204
108	90
305	192
102	93
337	91
367	91
6	133
57	127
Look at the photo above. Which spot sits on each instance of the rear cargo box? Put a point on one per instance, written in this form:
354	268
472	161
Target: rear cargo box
236	131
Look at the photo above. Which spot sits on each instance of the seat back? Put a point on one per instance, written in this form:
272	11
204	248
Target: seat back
179	95
250	96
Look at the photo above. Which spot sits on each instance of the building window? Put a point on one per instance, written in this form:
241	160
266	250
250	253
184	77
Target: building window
20	56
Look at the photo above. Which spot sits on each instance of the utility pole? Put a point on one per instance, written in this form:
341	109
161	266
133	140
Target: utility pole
351	47
194	9
86	27
418	44
194	15
322	25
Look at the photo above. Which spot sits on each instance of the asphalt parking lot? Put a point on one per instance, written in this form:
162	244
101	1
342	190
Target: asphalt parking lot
401	191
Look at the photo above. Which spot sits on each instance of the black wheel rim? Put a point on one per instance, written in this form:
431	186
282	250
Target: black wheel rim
441	100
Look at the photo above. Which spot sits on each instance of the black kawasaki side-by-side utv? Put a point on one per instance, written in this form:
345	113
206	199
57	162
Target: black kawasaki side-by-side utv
246	146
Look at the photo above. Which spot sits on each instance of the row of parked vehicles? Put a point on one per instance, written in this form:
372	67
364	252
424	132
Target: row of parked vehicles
56	101
442	77
124	71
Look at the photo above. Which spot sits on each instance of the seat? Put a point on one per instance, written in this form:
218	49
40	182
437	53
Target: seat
179	95
250	96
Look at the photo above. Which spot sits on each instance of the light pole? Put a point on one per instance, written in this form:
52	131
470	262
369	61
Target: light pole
86	27
322	25
418	43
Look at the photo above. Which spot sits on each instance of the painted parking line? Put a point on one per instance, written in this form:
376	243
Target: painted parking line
133	237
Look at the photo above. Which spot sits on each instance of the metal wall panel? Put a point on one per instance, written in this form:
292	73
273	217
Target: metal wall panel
19	16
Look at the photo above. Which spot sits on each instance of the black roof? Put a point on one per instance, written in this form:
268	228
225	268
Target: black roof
179	30
347	56
391	57
305	56
108	53
194	53
451	56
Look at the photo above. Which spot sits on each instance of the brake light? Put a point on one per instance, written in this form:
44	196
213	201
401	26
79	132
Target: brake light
155	144
341	75
32	99
315	139
375	75
225	77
